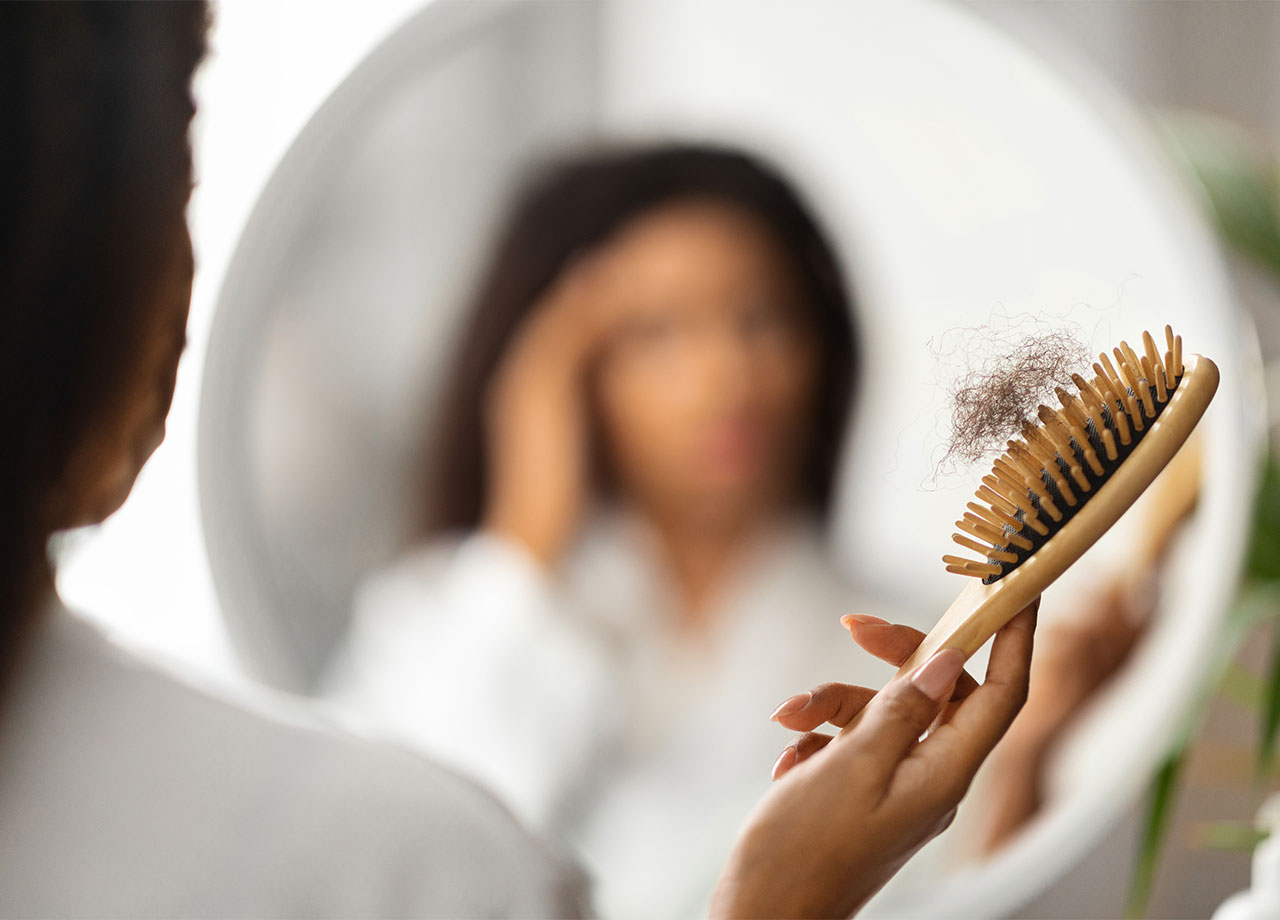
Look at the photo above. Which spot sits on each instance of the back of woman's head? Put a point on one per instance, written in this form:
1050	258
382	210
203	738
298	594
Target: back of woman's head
580	202
95	173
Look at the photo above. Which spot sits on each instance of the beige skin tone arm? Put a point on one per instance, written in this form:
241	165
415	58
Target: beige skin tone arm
536	417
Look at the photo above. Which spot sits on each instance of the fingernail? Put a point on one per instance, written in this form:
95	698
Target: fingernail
791	705
865	619
786	760
935	677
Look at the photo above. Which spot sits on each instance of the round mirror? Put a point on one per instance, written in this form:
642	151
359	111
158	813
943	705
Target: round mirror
963	183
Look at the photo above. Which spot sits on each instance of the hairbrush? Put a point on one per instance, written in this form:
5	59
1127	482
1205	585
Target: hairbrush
1058	488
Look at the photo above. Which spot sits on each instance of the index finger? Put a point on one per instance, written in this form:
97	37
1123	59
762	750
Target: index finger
894	643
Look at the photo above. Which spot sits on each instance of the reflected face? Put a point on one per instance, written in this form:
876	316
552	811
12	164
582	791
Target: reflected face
706	387
104	467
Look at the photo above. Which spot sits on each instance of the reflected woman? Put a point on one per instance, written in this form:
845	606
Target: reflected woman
633	471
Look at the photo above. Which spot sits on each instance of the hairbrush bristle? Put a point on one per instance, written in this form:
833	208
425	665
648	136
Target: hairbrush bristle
1044	478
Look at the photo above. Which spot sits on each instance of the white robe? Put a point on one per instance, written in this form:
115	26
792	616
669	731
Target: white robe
126	792
579	700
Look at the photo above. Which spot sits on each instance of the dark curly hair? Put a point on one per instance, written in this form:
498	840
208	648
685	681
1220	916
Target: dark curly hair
95	172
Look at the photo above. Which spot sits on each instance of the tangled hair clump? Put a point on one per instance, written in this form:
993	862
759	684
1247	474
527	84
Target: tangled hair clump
1005	377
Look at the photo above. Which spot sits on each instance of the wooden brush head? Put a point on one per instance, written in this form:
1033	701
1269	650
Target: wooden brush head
1058	467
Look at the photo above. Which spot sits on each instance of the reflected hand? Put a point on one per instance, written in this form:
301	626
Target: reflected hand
1076	659
850	811
1079	655
539	467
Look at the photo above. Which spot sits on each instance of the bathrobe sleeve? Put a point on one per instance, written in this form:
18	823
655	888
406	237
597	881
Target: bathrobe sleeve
470	652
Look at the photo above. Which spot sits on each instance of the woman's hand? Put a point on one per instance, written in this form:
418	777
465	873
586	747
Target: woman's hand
539	472
849	811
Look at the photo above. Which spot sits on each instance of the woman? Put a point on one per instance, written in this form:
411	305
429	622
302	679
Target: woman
124	791
632	473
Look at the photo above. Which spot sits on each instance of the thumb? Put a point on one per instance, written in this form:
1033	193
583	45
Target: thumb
903	711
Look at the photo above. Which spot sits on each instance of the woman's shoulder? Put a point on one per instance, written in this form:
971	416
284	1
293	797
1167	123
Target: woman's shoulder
190	802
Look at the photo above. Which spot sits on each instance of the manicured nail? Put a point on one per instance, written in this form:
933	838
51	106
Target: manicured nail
864	619
786	760
791	705
936	676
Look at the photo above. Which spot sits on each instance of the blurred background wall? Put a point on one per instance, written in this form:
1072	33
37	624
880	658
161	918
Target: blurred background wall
1201	53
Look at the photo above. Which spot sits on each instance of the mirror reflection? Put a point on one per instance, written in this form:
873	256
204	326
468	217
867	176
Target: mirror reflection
622	393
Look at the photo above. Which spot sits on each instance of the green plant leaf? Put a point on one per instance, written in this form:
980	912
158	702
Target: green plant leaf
1242	687
1164	791
1262	573
1262	561
1228	835
1238	178
1270	712
1257	602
